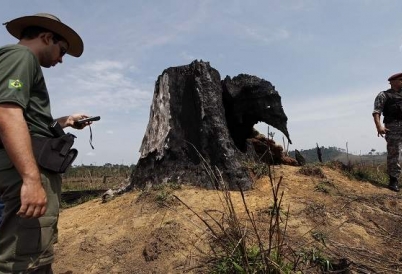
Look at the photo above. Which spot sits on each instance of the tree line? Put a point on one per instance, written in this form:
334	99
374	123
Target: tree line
338	154
99	171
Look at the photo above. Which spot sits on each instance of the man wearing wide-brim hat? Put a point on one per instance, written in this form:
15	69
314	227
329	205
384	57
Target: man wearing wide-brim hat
29	192
389	103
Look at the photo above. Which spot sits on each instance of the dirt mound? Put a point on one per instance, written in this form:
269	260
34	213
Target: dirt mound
350	222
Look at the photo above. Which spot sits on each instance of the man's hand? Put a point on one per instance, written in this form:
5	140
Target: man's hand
68	121
381	130
33	200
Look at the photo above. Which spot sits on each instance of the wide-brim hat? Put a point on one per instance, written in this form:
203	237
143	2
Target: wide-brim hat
51	23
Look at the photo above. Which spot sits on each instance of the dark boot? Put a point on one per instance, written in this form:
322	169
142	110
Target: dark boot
393	184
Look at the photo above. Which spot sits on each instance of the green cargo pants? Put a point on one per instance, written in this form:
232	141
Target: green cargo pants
27	244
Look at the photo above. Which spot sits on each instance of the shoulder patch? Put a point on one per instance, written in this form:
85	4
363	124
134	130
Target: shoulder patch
16	84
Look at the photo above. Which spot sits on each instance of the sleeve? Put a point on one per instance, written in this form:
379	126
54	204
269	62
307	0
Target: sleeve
379	103
17	73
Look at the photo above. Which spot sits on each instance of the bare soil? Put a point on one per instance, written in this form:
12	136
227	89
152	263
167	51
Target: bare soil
151	232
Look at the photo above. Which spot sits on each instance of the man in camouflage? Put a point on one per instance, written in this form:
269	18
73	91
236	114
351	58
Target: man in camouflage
389	103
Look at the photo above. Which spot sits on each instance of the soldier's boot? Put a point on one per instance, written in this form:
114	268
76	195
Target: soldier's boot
393	183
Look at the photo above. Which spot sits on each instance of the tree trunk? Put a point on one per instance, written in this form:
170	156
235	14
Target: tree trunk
188	140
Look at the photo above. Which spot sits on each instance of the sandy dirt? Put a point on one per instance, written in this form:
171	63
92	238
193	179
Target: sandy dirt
151	232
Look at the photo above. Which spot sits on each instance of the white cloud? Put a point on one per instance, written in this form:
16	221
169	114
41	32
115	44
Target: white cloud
266	36
353	103
296	5
186	56
104	84
102	66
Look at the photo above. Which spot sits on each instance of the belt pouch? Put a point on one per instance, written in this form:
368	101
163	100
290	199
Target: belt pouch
54	154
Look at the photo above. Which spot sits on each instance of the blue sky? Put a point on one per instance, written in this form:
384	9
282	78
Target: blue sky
327	59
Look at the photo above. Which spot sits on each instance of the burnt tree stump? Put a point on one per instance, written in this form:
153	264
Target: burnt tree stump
249	100
191	127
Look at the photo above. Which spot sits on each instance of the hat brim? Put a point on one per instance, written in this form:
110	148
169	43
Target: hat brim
76	46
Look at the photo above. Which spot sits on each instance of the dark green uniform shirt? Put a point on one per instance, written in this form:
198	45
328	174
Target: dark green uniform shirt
22	83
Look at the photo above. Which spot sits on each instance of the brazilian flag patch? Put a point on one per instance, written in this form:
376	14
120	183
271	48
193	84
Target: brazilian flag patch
16	84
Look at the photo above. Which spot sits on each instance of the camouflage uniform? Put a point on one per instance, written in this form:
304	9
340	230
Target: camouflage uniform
1	211
393	138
